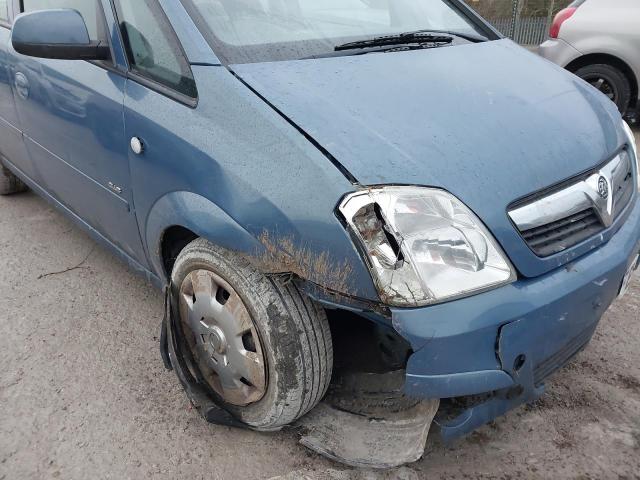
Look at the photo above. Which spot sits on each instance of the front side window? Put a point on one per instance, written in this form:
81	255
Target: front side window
247	31
90	10
152	46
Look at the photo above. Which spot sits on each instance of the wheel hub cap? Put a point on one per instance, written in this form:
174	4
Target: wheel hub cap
217	341
222	338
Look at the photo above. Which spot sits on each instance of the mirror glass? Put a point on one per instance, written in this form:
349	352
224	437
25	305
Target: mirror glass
87	8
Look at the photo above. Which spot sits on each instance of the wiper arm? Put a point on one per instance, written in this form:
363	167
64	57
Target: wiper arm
472	37
401	39
418	36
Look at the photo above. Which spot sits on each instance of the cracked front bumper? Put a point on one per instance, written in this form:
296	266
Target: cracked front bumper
507	341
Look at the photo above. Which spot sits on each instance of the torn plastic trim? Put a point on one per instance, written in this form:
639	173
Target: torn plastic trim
474	417
332	299
176	356
164	336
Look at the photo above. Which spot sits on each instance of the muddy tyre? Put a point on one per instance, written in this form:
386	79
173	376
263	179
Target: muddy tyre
9	183
263	349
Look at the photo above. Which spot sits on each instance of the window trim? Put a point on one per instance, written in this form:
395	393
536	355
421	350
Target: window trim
163	89
136	76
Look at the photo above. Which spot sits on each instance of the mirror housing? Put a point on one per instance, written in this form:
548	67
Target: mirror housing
58	34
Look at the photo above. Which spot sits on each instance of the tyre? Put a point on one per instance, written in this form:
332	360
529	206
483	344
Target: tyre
262	348
610	81
9	183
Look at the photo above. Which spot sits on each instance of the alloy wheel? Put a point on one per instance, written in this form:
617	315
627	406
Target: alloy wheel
604	85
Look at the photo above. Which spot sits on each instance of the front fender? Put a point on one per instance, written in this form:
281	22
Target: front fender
202	217
280	250
245	180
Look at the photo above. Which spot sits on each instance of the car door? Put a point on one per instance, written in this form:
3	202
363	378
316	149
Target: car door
71	114
160	91
11	145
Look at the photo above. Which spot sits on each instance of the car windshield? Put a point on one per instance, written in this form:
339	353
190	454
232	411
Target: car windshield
249	31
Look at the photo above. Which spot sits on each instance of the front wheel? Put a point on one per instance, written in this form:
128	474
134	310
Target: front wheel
262	348
610	81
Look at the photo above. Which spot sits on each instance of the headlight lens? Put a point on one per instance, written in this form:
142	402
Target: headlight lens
424	245
632	148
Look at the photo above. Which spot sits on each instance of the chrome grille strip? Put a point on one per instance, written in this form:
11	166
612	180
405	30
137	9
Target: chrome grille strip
547	220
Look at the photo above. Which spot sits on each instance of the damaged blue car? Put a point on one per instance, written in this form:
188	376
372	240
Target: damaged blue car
374	186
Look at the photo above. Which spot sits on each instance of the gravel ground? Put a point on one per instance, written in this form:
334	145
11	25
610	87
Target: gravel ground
83	393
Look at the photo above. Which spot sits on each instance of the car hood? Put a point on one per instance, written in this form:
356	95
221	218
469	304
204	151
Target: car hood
489	122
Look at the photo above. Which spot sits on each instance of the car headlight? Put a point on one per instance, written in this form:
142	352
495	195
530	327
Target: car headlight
633	149
424	246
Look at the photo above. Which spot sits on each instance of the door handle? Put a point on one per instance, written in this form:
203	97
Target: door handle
137	146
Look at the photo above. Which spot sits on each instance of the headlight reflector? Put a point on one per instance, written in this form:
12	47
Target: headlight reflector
424	245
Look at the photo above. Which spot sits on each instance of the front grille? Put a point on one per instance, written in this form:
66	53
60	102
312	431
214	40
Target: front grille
559	359
557	236
566	217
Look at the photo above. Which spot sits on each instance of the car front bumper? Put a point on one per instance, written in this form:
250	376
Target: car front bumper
502	344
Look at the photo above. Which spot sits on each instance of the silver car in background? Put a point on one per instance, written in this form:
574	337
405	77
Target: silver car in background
599	40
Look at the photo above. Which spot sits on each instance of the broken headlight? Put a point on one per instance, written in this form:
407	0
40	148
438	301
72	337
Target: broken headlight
424	246
633	150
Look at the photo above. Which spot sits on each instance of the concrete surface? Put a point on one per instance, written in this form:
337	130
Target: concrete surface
83	393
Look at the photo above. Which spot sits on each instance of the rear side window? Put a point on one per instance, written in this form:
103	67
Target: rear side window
152	46
90	10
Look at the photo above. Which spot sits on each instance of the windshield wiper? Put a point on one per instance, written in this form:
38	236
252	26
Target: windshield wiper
401	39
419	36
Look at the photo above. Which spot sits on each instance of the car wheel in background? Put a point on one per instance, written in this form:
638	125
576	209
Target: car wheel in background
9	183
610	81
260	347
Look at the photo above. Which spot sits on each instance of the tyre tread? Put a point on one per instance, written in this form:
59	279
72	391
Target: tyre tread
303	331
9	183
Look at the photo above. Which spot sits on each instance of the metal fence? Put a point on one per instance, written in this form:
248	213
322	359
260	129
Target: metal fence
525	31
525	21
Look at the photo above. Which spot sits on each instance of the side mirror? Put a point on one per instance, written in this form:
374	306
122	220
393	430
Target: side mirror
58	34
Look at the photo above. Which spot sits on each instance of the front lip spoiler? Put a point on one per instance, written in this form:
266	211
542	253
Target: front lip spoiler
457	384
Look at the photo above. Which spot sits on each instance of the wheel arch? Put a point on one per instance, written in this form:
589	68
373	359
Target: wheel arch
180	217
612	60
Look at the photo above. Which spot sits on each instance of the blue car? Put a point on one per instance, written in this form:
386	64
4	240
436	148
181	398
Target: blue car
388	184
